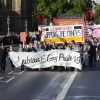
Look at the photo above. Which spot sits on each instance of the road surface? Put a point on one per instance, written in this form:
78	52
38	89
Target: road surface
50	85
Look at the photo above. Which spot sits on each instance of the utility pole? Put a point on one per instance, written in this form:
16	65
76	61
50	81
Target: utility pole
8	24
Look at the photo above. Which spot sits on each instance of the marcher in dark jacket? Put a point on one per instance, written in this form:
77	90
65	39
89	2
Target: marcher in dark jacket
90	52
3	51
31	48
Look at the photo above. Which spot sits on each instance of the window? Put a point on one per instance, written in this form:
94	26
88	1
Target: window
9	4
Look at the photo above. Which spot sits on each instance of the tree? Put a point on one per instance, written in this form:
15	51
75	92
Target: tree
49	8
97	14
54	8
76	10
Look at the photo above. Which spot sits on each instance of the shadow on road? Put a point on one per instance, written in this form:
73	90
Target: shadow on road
94	67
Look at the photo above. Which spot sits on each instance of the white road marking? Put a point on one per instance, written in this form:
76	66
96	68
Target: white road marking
21	72
7	80
45	89
64	91
57	75
10	72
10	79
78	97
1	78
17	73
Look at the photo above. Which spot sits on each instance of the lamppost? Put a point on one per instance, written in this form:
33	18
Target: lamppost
68	1
8	24
26	26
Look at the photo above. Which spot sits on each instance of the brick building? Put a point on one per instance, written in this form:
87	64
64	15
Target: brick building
20	16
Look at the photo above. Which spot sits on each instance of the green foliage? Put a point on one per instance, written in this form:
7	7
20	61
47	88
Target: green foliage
54	8
77	10
97	14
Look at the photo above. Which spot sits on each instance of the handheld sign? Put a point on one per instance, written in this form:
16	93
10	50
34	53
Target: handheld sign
93	30
23	36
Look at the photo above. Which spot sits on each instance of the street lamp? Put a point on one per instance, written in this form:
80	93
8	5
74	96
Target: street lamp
8	24
26	26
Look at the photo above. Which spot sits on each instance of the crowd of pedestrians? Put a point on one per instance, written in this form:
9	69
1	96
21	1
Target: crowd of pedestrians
14	38
89	50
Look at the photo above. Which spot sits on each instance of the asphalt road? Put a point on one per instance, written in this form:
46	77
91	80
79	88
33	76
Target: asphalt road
50	85
86	85
33	85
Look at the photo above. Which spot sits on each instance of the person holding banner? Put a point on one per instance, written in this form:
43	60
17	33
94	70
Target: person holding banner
73	45
31	48
4	53
95	51
62	46
33	37
98	51
54	45
46	46
90	53
12	65
67	46
20	48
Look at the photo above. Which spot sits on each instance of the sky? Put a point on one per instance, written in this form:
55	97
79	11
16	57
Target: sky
97	1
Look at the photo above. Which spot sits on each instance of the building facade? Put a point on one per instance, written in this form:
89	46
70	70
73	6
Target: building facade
15	16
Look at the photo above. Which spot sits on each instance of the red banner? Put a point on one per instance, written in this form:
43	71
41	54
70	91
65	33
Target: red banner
67	21
40	17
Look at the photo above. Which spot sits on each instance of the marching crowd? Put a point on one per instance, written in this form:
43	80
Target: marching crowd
14	38
89	50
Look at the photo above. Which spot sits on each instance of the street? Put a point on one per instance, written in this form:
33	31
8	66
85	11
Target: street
49	49
50	85
86	85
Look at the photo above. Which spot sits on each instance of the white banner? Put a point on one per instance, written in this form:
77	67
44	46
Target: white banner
44	59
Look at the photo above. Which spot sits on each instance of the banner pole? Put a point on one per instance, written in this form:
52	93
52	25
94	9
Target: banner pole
23	44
